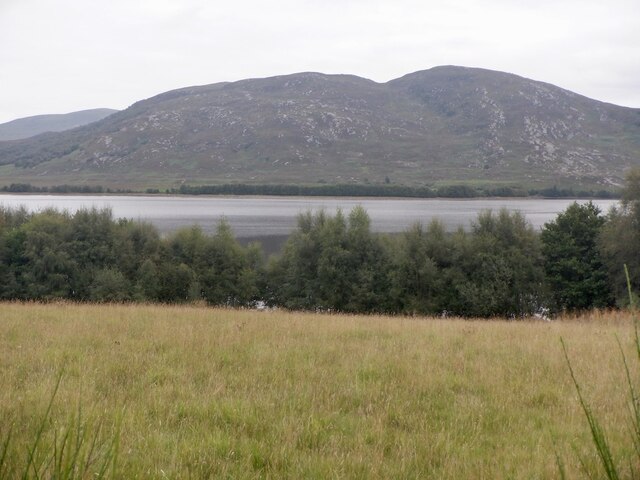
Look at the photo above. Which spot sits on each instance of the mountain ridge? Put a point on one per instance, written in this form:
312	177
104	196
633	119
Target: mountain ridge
26	127
446	124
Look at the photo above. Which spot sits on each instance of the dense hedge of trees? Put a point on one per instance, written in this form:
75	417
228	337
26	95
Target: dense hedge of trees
326	190
384	190
501	267
89	256
86	189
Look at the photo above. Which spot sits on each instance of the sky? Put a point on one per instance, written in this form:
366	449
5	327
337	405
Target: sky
58	56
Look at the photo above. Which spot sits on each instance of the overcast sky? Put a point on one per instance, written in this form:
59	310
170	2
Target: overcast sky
58	56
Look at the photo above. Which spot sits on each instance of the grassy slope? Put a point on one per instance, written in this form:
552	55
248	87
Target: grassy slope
444	125
242	394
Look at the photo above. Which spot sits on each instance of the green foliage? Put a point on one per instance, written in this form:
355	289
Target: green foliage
387	189
177	283
110	285
332	263
503	267
91	244
620	239
147	285
495	270
135	243
214	268
575	270
227	277
84	189
631	191
418	276
89	256
50	266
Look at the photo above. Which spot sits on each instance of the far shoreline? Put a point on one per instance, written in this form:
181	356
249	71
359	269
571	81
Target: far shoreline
174	194
390	191
266	196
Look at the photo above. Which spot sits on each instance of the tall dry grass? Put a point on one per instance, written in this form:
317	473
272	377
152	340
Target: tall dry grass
628	465
203	393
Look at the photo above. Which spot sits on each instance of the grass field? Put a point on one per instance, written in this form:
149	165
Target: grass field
213	393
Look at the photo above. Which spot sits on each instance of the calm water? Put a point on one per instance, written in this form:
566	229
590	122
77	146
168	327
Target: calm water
258	217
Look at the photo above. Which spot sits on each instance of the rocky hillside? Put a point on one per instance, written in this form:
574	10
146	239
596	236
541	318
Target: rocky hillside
31	126
443	125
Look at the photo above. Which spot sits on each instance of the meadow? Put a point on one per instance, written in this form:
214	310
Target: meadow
199	392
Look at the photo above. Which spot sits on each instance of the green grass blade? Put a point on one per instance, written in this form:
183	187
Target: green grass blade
116	444
36	442
62	464
628	278
88	457
597	434
3	454
79	441
562	474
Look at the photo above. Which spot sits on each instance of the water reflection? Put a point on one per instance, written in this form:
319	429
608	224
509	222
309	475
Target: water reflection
261	217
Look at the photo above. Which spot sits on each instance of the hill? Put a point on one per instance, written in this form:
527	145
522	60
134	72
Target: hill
443	125
31	126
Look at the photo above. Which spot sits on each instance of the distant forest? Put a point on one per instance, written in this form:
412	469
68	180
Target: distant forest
327	190
333	262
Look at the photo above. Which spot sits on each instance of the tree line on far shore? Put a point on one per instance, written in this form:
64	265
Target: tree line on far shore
333	262
326	190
